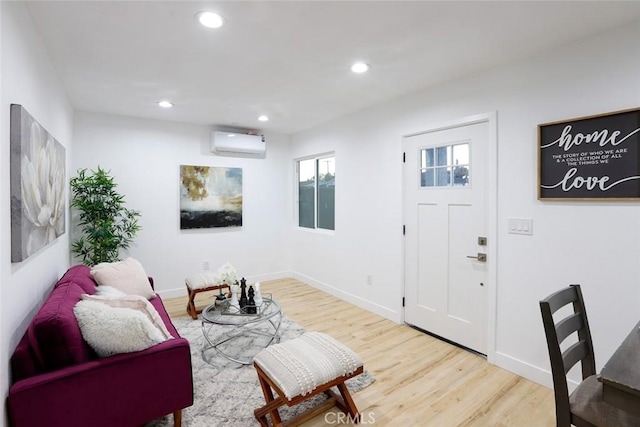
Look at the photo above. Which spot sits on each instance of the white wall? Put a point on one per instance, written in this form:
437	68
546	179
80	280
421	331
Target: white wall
368	227
28	78
596	244
144	157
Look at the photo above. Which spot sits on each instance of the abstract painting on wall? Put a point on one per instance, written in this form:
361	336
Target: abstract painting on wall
210	197
37	186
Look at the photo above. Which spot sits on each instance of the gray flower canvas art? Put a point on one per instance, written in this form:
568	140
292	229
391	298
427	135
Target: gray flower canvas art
37	186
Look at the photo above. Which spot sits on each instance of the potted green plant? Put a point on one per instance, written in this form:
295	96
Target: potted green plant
107	225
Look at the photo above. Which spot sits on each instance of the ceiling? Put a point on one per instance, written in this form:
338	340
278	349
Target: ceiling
291	60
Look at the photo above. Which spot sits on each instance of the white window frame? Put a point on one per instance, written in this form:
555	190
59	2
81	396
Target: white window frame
296	192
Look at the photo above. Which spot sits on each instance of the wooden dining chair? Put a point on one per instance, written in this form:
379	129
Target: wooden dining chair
584	407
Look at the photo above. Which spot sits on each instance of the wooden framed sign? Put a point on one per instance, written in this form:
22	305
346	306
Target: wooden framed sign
590	158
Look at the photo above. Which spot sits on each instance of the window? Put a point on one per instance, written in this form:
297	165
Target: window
316	192
445	166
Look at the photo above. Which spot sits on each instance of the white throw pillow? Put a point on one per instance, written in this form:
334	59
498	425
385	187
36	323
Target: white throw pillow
114	330
134	302
127	276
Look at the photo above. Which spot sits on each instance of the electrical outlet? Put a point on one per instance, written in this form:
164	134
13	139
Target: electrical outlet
369	280
205	265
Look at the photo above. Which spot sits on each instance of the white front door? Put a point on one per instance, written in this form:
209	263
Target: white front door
446	217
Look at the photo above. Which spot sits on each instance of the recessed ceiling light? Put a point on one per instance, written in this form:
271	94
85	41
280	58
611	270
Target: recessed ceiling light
360	67
263	118
231	135
210	19
165	104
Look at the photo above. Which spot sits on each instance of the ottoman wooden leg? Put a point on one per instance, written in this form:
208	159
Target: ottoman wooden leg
271	406
349	405
191	306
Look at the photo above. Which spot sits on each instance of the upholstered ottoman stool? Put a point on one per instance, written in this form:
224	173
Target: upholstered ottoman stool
200	283
302	368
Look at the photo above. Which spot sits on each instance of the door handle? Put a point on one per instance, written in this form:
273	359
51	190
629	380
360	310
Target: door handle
480	257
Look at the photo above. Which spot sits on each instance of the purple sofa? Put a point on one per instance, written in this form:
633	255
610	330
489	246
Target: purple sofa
57	380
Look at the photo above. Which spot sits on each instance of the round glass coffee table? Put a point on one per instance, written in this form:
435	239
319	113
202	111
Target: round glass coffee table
237	335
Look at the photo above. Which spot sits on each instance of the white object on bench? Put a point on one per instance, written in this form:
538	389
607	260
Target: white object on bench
201	281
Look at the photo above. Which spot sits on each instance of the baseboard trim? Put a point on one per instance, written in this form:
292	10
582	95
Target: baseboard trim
350	298
524	369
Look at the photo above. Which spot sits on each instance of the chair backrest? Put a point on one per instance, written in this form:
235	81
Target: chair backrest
580	351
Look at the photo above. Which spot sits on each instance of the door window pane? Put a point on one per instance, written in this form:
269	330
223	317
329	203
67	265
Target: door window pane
450	167
443	177
427	177
427	158
442	156
461	154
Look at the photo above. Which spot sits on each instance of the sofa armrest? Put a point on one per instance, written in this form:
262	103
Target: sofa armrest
121	390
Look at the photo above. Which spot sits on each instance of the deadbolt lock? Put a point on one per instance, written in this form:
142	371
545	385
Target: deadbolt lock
482	241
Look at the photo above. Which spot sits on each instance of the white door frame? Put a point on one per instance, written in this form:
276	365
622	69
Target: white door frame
492	220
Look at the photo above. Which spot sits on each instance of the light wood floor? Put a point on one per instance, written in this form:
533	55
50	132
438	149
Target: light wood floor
420	380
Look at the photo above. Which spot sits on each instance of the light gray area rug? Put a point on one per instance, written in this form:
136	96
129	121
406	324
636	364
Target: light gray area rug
226	393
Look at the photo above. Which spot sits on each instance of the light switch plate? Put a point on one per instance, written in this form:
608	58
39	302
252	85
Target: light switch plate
521	226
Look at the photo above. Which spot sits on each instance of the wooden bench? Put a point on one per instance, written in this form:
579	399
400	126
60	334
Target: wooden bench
199	283
302	368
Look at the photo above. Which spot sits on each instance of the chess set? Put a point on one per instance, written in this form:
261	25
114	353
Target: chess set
245	300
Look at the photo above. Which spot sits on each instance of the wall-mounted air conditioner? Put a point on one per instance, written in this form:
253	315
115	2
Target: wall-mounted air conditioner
237	144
